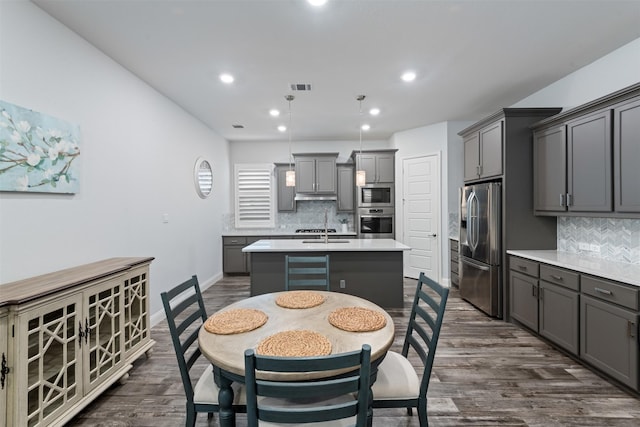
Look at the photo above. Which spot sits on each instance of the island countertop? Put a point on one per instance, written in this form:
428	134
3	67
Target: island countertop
345	245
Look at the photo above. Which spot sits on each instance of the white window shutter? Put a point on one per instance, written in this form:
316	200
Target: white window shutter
254	196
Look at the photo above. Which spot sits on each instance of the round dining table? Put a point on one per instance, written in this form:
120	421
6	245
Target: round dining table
226	351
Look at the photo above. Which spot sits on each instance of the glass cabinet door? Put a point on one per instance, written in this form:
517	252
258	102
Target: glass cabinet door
4	366
103	341
49	382
136	310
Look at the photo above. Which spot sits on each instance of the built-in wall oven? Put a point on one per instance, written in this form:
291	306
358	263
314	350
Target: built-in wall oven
375	195
376	223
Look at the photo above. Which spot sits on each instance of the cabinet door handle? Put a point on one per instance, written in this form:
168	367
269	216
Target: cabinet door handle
558	278
4	370
569	201
562	200
534	291
603	291
87	330
631	329
80	332
522	267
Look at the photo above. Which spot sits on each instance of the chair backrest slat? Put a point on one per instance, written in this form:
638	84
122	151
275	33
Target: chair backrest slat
304	402
425	322
175	306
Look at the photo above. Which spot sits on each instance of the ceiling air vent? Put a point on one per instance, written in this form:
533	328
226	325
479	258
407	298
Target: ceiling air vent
238	126
298	87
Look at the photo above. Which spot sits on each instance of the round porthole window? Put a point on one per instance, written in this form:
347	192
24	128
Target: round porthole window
203	176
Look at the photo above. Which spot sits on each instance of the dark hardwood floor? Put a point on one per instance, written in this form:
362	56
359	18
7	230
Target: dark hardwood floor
487	373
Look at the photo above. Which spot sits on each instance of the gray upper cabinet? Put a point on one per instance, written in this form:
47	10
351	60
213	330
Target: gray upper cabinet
585	159
346	188
379	167
316	173
483	152
589	163
626	160
550	169
286	195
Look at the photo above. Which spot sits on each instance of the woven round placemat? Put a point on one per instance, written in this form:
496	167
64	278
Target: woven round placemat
299	299
297	343
235	321
357	319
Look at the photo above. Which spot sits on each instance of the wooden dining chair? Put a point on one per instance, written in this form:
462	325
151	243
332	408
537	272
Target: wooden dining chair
186	313
331	402
397	384
303	271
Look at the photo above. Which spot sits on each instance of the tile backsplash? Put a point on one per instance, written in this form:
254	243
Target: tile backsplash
613	239
308	214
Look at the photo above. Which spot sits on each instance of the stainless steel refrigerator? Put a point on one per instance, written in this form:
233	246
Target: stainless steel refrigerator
480	247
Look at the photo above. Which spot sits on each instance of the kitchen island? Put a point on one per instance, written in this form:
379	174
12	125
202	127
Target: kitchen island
367	268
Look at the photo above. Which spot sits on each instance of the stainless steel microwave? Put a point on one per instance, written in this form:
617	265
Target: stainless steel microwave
375	195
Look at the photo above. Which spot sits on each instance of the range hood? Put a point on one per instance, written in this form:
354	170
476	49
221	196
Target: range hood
308	196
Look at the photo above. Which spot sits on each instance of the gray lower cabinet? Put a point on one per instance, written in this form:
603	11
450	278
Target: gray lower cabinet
609	328
524	299
233	259
558	311
346	188
546	300
454	271
285	195
593	318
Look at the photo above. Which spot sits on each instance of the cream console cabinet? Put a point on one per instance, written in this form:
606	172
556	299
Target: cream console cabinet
68	335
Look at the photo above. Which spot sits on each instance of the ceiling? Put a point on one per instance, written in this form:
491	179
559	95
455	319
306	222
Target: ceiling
471	57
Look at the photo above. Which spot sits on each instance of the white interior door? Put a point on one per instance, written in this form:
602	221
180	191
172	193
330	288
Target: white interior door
421	215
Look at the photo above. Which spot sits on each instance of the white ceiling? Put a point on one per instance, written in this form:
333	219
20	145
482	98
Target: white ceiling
471	57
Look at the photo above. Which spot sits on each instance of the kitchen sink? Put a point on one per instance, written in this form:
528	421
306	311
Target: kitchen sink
330	241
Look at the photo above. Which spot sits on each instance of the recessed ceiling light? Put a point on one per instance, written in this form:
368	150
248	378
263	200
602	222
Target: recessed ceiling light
317	3
409	76
226	78
274	112
374	111
282	128
365	127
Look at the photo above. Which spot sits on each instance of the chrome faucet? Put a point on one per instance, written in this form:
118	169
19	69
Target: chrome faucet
326	229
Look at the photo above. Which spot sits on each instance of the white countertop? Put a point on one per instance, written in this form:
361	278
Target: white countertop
619	271
353	245
276	232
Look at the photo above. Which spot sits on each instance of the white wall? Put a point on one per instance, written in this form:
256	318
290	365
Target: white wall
612	72
439	138
138	151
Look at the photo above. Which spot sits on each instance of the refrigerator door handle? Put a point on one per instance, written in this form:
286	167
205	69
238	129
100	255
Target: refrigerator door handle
475	265
472	220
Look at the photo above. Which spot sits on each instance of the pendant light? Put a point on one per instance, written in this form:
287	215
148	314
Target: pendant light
290	175
361	177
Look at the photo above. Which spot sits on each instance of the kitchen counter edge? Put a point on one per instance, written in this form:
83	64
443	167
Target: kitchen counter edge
354	245
613	270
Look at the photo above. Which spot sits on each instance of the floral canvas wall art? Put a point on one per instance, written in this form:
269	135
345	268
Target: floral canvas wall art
38	153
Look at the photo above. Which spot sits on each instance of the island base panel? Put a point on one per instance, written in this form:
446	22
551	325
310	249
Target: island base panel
375	276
